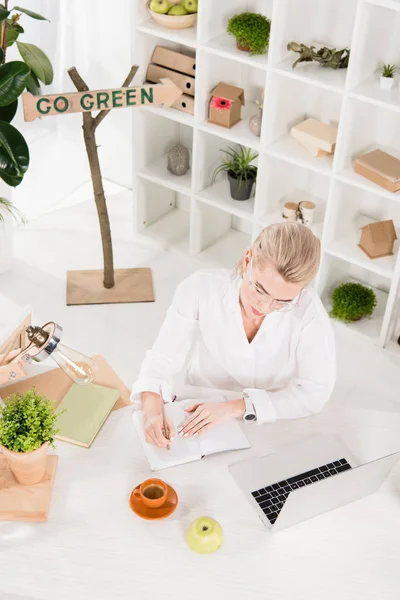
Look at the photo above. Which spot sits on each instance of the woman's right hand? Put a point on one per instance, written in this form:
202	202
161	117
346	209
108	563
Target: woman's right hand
153	421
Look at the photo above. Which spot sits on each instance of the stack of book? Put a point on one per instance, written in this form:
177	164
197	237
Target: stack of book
317	137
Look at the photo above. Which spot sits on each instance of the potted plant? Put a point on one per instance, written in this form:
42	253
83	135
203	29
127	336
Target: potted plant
387	74
352	302
251	31
8	213
240	171
27	429
16	76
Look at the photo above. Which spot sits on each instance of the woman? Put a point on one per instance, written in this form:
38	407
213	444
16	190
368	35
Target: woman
263	333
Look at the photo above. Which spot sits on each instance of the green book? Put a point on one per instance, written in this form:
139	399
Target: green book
86	409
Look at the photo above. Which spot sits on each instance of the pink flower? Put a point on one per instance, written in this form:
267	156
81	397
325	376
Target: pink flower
221	103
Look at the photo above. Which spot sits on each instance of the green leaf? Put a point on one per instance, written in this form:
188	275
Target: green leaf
37	60
7	113
3	13
30	13
13	79
18	28
12	35
14	154
33	85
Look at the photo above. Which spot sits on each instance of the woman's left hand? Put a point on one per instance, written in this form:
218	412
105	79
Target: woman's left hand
209	414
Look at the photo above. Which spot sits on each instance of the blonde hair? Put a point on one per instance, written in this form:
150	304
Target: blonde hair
291	248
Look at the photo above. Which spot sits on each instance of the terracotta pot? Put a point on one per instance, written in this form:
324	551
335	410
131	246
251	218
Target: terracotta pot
244	48
28	468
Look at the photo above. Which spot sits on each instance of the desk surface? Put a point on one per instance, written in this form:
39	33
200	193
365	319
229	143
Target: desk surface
94	547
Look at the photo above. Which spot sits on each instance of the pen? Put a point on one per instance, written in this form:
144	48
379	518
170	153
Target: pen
165	426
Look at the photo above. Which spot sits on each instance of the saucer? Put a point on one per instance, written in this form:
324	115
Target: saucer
154	514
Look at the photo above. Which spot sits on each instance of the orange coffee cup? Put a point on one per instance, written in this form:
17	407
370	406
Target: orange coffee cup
152	492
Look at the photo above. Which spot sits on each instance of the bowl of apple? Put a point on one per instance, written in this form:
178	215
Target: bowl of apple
173	14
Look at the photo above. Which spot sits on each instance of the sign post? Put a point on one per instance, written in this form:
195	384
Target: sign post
108	285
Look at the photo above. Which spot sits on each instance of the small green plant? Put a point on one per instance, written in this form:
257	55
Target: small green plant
238	162
6	206
27	421
251	31
388	70
352	301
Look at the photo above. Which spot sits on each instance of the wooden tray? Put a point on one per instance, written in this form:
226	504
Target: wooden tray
25	503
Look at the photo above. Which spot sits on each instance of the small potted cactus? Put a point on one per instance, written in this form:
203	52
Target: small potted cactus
387	73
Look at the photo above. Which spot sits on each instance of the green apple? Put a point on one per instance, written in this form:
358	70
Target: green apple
205	535
160	6
190	5
178	10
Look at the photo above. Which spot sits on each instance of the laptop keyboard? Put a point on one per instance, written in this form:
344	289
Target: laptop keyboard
272	498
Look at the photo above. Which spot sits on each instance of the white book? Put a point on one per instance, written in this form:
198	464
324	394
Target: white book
223	438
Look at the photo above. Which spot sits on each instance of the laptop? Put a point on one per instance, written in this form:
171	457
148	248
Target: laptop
307	478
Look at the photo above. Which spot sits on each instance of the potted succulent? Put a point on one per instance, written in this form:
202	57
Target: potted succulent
27	429
240	171
352	301
387	74
8	213
251	31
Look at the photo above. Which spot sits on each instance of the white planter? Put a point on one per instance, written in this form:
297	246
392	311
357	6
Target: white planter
387	83
6	231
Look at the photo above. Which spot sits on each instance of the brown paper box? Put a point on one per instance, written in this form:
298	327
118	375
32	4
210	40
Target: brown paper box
226	118
381	168
185	104
316	133
184	82
174	60
375	178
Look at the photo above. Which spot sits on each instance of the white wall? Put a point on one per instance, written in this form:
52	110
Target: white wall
96	38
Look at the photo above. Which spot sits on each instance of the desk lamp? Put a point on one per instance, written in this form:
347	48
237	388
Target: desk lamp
45	341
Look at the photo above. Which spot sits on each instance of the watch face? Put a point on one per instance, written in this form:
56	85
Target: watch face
250	417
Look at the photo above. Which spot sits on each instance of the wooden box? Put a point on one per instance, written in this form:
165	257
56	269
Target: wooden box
164	57
316	134
377	239
226	105
381	168
184	82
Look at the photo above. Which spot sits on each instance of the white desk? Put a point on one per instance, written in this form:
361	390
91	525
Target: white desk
94	547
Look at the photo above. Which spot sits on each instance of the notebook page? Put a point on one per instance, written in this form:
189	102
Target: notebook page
222	438
182	450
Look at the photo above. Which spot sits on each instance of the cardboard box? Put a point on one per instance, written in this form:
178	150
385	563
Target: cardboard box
220	115
164	57
185	104
184	82
377	239
381	168
316	133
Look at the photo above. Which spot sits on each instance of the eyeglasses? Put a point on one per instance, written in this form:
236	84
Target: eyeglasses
265	300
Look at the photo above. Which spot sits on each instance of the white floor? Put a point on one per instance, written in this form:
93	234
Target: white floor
69	239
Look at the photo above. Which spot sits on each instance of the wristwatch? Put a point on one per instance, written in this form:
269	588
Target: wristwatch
249	413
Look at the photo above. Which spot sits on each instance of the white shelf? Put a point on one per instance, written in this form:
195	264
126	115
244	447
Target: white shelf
225	45
170	113
185	37
170	232
218	195
351	177
370	91
347	250
158	173
287	148
215	227
239	133
312	73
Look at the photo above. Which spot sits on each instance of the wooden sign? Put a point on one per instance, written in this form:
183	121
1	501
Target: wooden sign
165	93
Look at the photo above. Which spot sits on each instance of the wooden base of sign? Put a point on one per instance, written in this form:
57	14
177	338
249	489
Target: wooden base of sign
131	285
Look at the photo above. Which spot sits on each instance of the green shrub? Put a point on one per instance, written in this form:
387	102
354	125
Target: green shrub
352	301
27	421
252	30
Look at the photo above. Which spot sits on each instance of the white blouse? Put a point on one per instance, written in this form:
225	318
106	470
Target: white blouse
288	370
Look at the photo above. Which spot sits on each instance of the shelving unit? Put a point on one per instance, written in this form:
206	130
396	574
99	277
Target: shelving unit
191	214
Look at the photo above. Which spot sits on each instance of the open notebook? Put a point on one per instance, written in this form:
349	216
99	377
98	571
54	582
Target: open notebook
223	438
